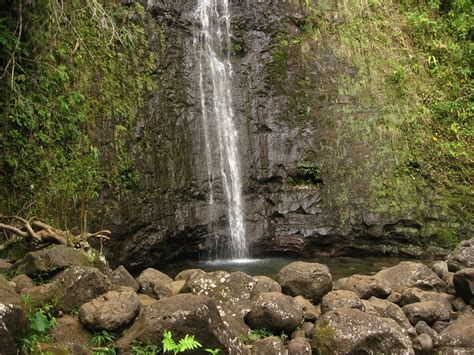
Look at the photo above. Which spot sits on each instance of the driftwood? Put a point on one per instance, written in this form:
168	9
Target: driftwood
42	233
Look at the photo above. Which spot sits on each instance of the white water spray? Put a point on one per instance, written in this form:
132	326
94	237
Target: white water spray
212	48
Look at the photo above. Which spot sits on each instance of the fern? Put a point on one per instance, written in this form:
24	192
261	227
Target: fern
185	344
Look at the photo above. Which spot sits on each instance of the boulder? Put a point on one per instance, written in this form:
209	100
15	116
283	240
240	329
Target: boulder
409	274
70	333
369	307
340	299
5	266
339	284
440	325
181	314
145	300
299	346
268	345
462	256
307	328
8	294
13	325
367	286
464	285
112	311
459	334
41	294
310	280
395	297
458	304
153	283
189	273
274	311
176	287
429	312
51	259
121	277
440	268
310	311
352	331
423	343
423	328
390	310
79	285
264	284
230	291
413	295
22	281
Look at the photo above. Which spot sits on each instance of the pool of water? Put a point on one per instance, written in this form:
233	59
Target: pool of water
340	267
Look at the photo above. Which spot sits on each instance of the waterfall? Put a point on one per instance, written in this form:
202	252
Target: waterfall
212	49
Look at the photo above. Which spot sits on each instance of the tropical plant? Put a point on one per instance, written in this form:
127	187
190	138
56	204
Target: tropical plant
184	344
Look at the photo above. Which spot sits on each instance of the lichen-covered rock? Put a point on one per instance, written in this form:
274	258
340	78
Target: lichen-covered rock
111	312
51	259
8	294
310	280
78	285
22	281
390	310
367	286
429	312
230	291
70	333
414	294
423	328
121	277
464	285
187	274
310	311
440	268
351	331
409	274
462	257
181	314
369	307
153	283
13	325
299	346
423	343
268	345
459	334
340	299
264	284
274	311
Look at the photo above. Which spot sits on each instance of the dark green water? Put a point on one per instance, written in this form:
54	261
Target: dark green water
340	267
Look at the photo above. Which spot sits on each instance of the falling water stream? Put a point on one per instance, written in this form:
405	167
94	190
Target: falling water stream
212	48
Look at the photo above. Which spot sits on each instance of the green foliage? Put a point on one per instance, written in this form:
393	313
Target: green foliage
65	74
184	344
103	343
41	322
144	349
260	333
323	339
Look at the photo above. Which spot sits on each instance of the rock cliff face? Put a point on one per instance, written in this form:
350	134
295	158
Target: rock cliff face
307	172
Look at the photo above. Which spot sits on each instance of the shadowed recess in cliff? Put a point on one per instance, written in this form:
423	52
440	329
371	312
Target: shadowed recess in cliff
212	48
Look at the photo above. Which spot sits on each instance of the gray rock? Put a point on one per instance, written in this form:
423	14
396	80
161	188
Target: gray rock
51	259
440	268
367	286
153	283
274	311
390	310
462	257
112	311
41	294
310	311
459	334
13	325
429	312
413	295
181	314
22	281
187	274
307	328
299	346
369	307
310	280
339	284
464	285
340	299
439	326
422	343
230	291
458	304
265	284
423	328
176	287
352	331
395	297
121	277
5	266
78	285
146	300
409	274
269	345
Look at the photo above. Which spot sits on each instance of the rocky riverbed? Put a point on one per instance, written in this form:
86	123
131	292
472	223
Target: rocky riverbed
408	308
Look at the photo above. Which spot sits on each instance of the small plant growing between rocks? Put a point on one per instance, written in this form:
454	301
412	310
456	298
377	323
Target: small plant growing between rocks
103	343
144	349
185	344
41	323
